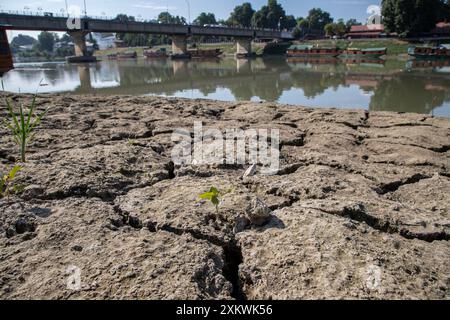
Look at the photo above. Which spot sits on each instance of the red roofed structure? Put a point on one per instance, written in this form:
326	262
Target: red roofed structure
442	29
366	31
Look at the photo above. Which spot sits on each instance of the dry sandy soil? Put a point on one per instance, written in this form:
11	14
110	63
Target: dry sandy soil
360	205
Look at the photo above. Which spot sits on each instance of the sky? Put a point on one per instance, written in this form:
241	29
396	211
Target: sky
149	9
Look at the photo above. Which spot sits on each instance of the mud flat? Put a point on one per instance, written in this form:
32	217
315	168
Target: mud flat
360	205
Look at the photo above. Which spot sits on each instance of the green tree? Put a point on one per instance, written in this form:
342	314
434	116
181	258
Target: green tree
242	15
444	11
205	18
297	33
289	22
352	22
318	19
340	28
46	41
408	17
269	16
166	17
23	40
329	29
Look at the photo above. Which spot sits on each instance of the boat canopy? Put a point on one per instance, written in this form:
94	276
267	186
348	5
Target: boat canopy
300	47
310	47
374	49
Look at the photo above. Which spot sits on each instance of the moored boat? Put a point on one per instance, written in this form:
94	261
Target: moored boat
356	53
297	51
154	54
430	52
180	56
81	59
205	53
127	55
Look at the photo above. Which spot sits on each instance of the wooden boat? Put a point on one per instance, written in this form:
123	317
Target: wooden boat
246	55
81	59
356	53
297	51
180	56
6	60
155	54
205	53
430	53
127	55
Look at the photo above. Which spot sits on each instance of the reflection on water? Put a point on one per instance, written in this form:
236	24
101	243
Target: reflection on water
422	87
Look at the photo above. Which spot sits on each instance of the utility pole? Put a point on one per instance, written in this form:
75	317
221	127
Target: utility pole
67	7
189	11
85	11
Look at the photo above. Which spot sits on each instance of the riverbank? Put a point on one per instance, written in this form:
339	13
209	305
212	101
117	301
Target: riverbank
360	205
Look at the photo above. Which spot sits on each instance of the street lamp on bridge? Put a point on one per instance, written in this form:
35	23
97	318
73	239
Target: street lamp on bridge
189	11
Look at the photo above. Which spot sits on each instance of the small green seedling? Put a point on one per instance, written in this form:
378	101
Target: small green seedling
5	182
215	196
22	125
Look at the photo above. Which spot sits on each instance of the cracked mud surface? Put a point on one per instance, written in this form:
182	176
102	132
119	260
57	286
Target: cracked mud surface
360	205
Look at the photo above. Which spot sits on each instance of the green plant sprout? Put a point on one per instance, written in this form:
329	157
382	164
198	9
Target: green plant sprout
22	125
7	179
215	196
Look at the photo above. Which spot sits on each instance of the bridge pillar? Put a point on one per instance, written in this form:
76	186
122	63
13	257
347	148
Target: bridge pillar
179	44
243	47
79	42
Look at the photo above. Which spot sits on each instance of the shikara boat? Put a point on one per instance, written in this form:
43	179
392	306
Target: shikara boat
297	51
356	53
430	52
81	59
180	56
205	53
155	54
127	55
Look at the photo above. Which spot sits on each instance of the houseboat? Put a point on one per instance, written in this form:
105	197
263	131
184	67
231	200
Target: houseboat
297	51
356	53
127	55
6	61
430	52
155	54
205	53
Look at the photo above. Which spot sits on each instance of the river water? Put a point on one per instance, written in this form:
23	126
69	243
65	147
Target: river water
392	85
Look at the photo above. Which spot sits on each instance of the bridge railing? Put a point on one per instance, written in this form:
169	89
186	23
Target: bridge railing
106	18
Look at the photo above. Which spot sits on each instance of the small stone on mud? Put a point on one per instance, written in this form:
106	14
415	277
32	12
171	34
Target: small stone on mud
251	171
241	222
257	212
77	248
32	191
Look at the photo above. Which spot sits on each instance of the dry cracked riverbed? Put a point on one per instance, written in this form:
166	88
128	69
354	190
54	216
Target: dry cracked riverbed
360	205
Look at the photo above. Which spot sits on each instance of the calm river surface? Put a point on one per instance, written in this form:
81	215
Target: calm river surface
390	85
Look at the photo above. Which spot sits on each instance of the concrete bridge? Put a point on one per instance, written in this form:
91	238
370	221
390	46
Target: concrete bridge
178	33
